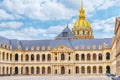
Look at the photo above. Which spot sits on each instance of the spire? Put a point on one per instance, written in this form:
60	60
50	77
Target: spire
82	11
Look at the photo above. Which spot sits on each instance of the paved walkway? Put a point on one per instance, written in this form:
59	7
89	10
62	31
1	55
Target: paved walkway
55	78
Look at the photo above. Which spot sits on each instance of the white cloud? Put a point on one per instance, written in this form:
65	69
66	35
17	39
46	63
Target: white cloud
12	25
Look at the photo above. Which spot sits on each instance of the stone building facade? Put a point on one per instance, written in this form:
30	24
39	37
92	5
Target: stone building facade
73	52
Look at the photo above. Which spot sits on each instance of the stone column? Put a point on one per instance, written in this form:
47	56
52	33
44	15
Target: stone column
19	70
19	57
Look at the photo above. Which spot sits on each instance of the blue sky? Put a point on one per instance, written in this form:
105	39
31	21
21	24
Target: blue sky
45	19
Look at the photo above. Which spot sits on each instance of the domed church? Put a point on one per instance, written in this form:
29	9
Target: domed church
74	52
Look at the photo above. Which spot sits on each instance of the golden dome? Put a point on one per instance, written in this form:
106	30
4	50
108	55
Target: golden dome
82	22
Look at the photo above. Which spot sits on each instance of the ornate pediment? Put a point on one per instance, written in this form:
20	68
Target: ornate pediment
62	48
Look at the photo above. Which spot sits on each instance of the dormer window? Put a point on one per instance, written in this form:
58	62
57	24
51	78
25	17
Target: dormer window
64	34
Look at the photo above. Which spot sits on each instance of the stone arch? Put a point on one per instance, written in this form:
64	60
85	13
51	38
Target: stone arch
49	57
107	69
100	69
43	70
37	70
94	57
88	57
77	57
100	56
27	70
16	70
77	69
38	57
82	69
107	56
49	70
16	57
89	69
82	57
32	57
32	70
43	57
27	57
62	70
62	57
94	69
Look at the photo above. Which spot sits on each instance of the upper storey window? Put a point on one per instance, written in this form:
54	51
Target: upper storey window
64	34
62	57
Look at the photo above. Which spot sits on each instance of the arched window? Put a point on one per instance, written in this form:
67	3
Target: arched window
82	57
22	57
16	57
82	69
16	70
62	70
10	57
27	57
88	69
94	57
107	56
107	69
3	56
10	70
100	69
94	69
21	70
49	70
100	56
27	70
7	56
88	57
49	57
37	70
32	70
83	32
7	70
69	71
62	57
43	70
43	57
38	57
77	57
77	70
32	57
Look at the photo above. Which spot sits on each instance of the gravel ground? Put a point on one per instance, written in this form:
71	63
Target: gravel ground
55	77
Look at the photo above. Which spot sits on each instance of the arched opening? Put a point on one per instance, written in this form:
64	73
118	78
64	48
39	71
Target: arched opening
16	70
62	57
10	70
76	69
94	69
88	69
49	70
32	57
37	70
27	57
16	57
3	57
82	57
10	57
69	71
82	69
88	57
100	56
38	57
62	70
21	70
94	57
27	70
7	56
108	69
107	56
7	70
43	57
32	70
22	57
77	57
3	70
49	57
100	69
43	70
83	32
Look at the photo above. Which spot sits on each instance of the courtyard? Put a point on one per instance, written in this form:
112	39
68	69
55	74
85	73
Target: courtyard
55	77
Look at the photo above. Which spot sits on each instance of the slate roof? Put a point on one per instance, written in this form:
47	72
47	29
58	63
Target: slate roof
69	34
54	43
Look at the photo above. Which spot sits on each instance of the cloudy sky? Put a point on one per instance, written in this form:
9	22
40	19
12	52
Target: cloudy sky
44	19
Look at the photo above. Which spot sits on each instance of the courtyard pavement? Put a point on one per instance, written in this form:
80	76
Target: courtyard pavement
55	77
